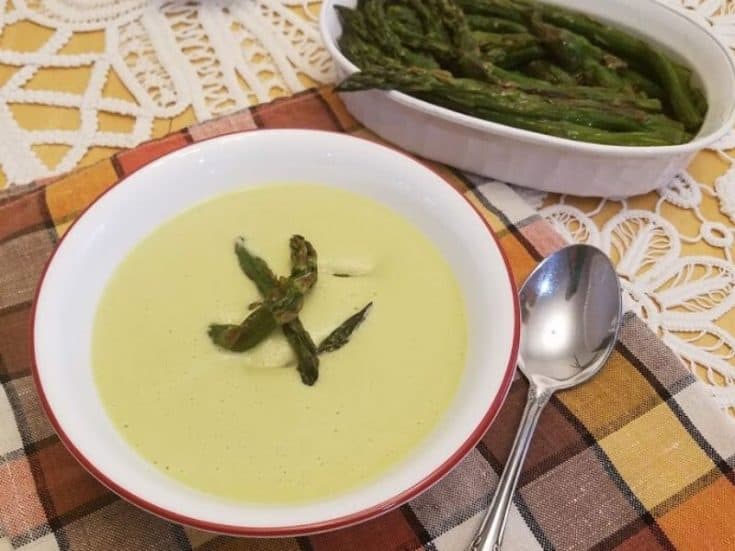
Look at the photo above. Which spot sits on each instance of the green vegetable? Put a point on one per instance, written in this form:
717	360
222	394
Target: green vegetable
484	99
486	40
618	98
433	28
239	338
642	84
509	59
468	64
545	70
415	38
283	298
698	97
571	50
679	98
255	268
526	63
307	360
406	16
634	50
285	301
597	74
340	336
504	9
494	24
303	264
576	132
282	301
390	43
567	49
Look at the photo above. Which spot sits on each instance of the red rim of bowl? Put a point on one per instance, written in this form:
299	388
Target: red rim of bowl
299	529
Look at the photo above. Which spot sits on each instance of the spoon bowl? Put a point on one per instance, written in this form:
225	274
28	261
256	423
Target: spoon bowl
571	308
570	314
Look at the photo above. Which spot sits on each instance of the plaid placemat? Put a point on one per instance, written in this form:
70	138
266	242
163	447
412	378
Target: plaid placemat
637	459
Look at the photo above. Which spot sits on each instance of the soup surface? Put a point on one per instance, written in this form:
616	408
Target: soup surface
242	425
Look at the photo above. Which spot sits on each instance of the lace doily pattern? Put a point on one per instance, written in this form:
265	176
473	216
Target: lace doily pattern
211	56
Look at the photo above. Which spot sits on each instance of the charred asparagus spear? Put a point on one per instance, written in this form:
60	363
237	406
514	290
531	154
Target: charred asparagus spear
283	299
482	42
459	53
485	100
629	48
340	336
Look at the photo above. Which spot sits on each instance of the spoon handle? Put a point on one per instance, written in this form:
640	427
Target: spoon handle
490	534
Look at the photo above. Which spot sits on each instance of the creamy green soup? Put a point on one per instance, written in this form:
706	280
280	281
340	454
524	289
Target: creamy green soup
243	426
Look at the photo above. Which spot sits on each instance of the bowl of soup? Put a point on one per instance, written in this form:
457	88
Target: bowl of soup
275	333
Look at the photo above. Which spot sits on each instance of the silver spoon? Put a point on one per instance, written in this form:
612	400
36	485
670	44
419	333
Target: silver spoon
570	316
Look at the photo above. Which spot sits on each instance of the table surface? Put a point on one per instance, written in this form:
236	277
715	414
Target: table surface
25	35
636	458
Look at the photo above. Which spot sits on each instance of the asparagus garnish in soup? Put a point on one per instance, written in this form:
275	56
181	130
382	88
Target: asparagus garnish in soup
283	298
340	336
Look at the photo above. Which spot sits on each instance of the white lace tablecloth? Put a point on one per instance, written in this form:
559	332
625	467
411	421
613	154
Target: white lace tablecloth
211	56
204	58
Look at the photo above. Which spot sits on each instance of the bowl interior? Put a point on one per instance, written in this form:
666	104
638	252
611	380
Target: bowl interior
102	237
670	29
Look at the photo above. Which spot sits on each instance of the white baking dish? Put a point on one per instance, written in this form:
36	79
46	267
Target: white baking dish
547	162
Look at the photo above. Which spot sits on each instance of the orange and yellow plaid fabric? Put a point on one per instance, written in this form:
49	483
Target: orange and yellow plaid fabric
637	459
